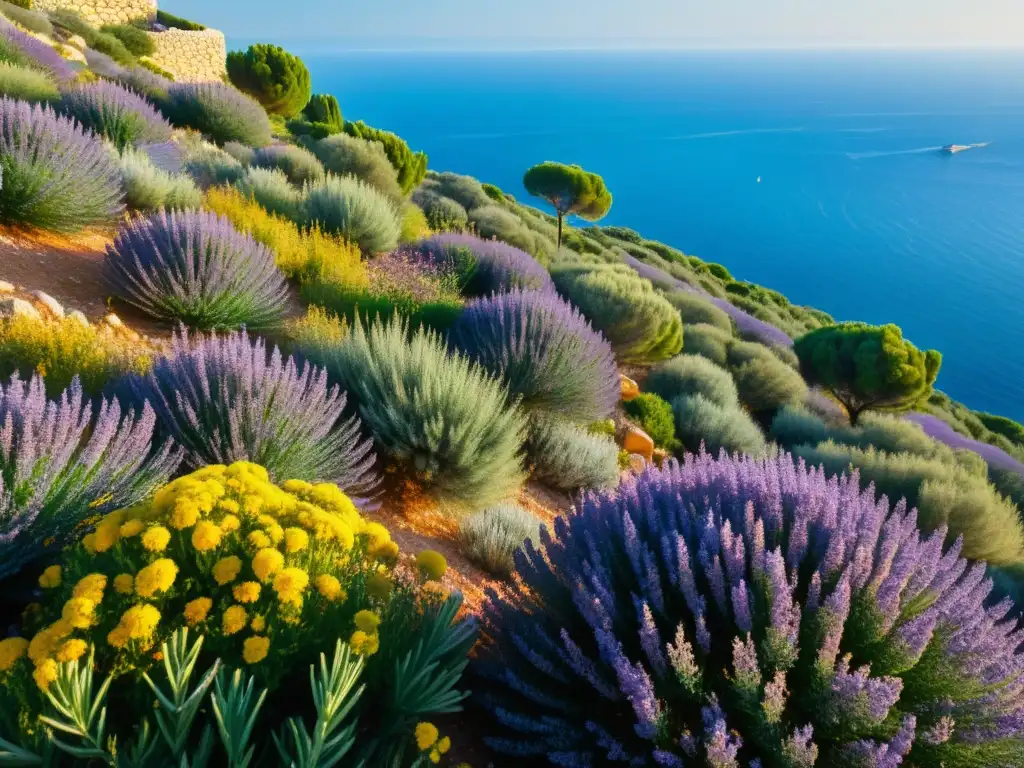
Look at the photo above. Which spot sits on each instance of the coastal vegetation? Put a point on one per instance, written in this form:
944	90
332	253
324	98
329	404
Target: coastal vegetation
388	430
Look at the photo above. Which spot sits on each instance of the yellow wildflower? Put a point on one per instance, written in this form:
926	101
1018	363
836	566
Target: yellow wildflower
295	539
290	584
254	649
378	585
158	576
132	528
258	624
107	533
225	571
432	564
45	674
434	591
426	736
79	612
275	532
387	551
206	536
12	649
330	587
118	637
196	610
140	621
72	649
443	745
89	543
364	644
235	619
185	513
124	583
230	523
50	577
258	540
251	505
368	621
230	506
156	538
266	563
91	587
247	592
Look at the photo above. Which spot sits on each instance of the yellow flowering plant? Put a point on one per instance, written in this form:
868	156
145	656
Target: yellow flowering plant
271	577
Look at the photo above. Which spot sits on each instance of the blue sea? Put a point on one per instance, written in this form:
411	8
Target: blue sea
857	212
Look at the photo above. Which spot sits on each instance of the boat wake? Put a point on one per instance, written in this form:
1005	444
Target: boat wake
891	153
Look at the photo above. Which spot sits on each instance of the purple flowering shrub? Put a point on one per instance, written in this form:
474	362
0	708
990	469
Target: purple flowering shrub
219	111
55	175
194	267
486	266
741	612
19	47
225	399
116	113
59	466
545	351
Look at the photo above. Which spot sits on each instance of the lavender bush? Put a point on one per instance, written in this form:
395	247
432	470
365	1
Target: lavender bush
194	267
939	430
225	399
18	47
219	111
750	327
119	115
59	466
55	175
735	612
544	350
487	266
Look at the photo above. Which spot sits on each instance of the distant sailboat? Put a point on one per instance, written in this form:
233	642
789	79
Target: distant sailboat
758	179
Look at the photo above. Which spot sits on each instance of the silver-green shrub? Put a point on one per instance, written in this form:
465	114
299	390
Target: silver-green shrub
696	310
355	210
568	457
490	538
345	155
272	190
26	84
707	341
692	375
702	421
149	188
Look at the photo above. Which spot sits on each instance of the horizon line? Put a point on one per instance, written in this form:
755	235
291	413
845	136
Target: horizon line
341	47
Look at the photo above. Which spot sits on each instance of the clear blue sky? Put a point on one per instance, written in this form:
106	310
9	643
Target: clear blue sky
480	24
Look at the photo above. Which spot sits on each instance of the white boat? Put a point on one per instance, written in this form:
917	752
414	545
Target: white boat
954	148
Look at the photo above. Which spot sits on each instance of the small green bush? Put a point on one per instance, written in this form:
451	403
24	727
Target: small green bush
275	78
323	109
655	417
696	311
176	22
707	341
298	164
640	324
113	47
465	190
243	154
23	16
767	385
493	221
72	23
702	421
411	167
136	40
272	190
443	213
415	226
26	84
344	155
351	303
439	418
943	494
211	166
567	457
355	210
491	538
219	111
692	375
149	188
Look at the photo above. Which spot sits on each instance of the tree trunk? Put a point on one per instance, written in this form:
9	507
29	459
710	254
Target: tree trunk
559	230
854	414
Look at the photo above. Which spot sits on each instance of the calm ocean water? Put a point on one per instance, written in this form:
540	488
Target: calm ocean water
857	212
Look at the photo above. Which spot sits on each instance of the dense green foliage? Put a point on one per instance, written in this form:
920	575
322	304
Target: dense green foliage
655	417
410	166
323	109
298	164
640	324
22	15
692	375
25	84
696	310
439	418
176	22
136	40
868	367
345	155
149	188
271	189
700	421
218	111
275	78
570	190
112	46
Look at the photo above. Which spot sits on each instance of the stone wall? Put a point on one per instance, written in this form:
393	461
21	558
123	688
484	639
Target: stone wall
100	12
192	57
